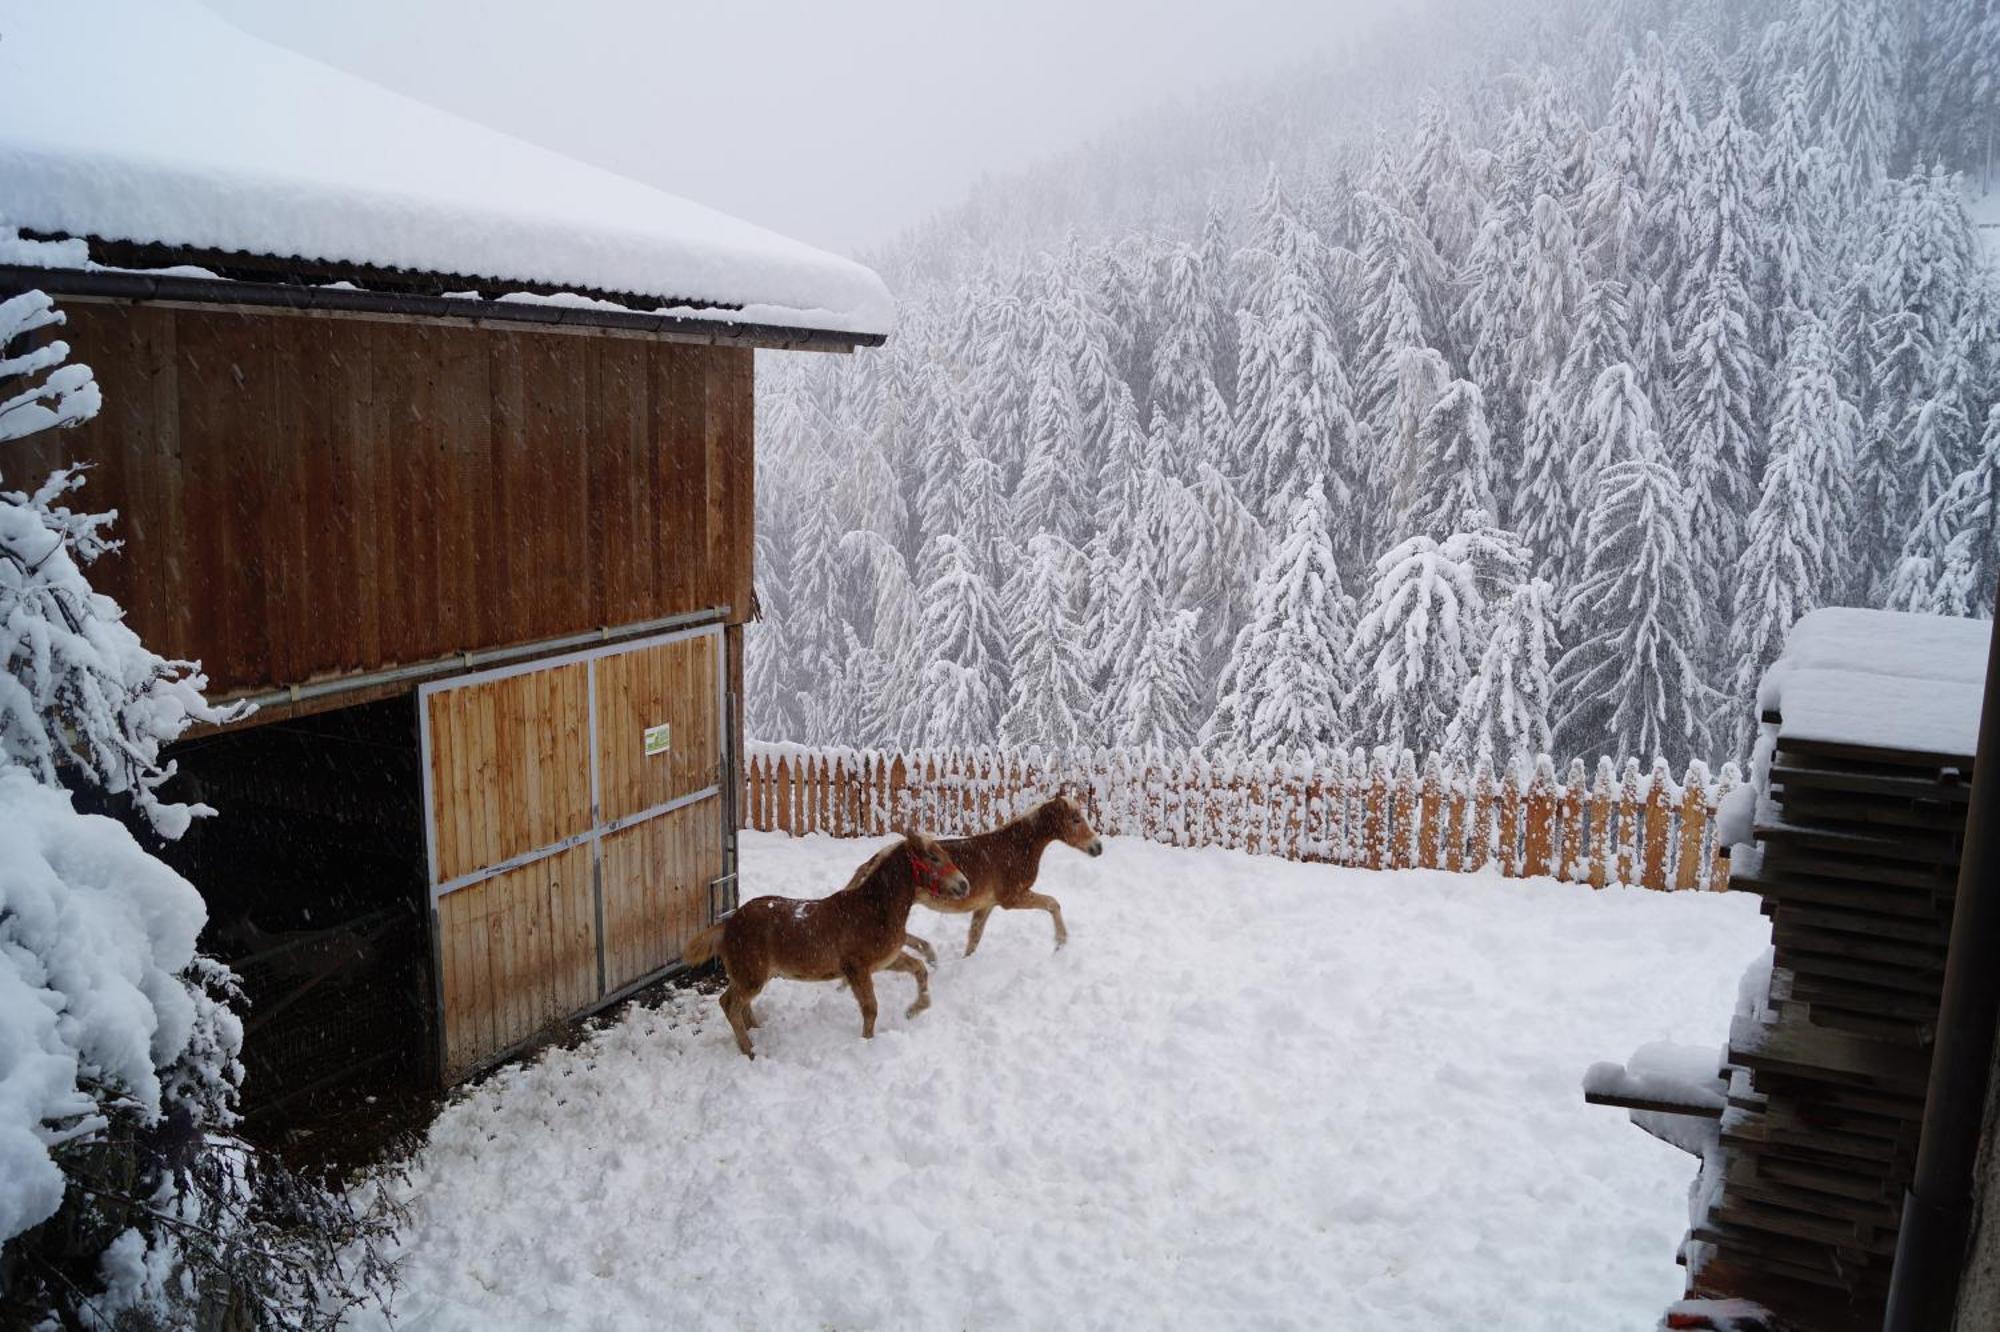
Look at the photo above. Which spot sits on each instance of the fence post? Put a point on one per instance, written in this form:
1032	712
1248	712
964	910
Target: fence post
1573	856
1603	839
1716	861
1653	870
1510	822
1539	838
1694	823
1429	832
1479	837
781	792
1630	801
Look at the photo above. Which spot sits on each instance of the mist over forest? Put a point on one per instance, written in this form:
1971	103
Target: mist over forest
1508	387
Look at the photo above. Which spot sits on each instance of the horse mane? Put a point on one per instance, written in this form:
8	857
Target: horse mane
874	863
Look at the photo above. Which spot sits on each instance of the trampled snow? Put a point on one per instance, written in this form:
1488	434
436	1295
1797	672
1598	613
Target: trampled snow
158	121
1249	1093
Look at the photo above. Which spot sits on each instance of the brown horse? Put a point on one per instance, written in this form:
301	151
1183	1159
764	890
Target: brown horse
1003	864
848	936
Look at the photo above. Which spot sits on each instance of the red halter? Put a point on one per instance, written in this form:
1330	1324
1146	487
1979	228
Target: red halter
930	877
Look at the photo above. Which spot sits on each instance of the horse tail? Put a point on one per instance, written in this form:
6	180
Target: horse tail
704	946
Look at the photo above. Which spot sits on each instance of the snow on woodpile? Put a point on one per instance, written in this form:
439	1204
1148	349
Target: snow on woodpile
157	121
1881	680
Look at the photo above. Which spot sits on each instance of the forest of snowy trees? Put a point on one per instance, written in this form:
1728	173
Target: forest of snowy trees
1526	424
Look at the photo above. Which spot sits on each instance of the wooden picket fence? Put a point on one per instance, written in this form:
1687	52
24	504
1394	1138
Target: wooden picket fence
1618	824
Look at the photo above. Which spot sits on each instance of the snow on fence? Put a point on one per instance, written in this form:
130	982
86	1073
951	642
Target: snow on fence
1374	811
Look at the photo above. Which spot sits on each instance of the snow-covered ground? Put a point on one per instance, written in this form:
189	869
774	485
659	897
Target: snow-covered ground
1249	1093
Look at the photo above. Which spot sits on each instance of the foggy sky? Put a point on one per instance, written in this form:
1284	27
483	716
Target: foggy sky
838	123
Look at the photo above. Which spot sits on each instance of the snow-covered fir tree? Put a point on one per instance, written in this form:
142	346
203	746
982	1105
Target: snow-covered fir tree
1505	713
1285	687
1610	223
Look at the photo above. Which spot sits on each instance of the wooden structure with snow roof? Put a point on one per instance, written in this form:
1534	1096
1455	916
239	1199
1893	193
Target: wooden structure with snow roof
437	447
1864	773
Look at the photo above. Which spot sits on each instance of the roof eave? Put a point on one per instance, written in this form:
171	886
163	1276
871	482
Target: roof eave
159	288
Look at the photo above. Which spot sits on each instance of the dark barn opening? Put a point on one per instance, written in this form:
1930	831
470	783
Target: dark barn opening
313	870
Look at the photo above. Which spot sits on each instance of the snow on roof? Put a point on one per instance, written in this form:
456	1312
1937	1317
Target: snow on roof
155	121
1881	680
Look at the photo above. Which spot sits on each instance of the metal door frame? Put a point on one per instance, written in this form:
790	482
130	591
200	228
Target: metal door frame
592	836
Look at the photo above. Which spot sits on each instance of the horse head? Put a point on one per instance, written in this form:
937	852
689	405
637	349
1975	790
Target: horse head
1065	815
933	869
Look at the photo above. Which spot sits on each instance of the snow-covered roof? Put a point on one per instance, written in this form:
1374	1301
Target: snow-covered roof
157	122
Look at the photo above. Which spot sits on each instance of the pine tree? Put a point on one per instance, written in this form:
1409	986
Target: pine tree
1451	473
1418	638
1951	563
1442	192
1184	357
959	654
1792	201
1284	686
1853	65
1300	421
1050	497
1633	680
1049	699
1958	82
1793	561
999	385
1551	294
1505	713
816	601
1712	445
1543	509
1162	704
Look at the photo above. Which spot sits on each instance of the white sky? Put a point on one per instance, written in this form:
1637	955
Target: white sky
836	122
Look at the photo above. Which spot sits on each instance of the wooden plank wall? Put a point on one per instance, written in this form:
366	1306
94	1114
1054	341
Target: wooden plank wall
510	773
656	877
510	767
516	953
674	683
304	496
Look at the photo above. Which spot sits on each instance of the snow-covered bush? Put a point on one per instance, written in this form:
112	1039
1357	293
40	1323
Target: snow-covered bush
125	1197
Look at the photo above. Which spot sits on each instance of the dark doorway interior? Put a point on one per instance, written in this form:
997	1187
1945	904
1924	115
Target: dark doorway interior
313	870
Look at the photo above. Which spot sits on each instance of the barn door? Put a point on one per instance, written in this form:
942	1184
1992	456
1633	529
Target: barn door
575	825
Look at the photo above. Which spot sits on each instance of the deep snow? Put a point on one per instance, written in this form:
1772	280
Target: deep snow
1249	1093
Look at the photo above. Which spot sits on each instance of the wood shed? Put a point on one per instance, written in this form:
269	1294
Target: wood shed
438	448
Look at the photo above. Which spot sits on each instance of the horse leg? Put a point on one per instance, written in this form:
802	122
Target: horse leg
1048	904
863	984
736	1007
922	946
904	962
978	928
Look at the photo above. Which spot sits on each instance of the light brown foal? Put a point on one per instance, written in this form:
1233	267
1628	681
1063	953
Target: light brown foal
848	936
1004	863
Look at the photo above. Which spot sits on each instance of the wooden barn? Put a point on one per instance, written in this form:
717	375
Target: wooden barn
437	448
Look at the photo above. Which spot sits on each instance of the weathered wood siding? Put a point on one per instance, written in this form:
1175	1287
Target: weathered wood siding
562	872
673	684
509	767
656	877
304	496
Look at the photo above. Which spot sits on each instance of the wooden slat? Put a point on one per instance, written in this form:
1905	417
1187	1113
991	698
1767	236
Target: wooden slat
507	969
396	491
489	806
656	877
